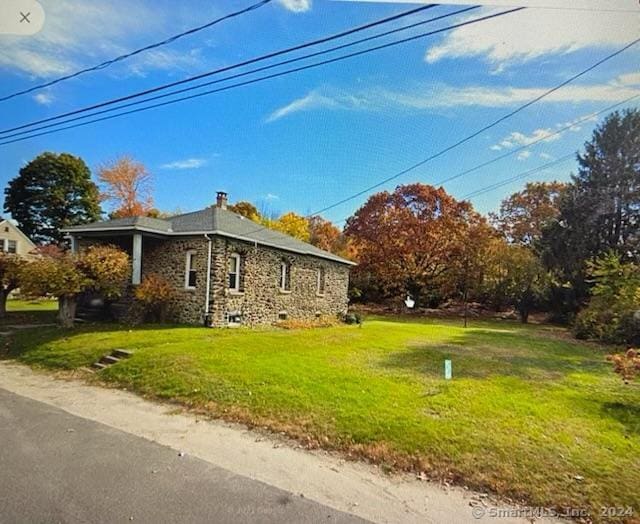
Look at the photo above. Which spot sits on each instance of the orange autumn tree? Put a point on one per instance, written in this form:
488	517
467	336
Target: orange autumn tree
128	186
413	241
325	235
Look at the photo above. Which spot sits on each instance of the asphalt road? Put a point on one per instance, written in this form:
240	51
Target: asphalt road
56	467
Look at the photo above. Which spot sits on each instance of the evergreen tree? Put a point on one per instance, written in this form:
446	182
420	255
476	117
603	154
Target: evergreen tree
600	211
51	192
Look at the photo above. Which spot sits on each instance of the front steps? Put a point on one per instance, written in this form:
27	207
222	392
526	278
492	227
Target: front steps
113	358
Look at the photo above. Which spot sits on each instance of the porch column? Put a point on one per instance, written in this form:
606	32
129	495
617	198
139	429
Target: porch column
137	259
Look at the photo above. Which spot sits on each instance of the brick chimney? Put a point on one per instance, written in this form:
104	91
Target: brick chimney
221	200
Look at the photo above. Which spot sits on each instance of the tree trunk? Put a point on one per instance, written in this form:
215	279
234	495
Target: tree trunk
3	303
524	314
67	310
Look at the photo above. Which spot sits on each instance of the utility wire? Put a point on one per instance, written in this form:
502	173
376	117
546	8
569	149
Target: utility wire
519	176
537	141
239	75
120	58
260	79
483	129
505	182
227	68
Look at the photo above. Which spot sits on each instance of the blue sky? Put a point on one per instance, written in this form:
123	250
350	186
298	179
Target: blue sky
304	141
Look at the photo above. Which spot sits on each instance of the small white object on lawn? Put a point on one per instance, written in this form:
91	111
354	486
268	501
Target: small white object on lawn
448	370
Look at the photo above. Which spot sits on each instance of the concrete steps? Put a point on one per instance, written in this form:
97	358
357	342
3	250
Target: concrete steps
113	358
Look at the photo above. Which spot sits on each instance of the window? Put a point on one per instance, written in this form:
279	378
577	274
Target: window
285	276
321	279
234	272
12	246
234	318
190	274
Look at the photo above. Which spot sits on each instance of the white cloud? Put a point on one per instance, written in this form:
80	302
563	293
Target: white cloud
187	163
44	99
312	100
332	99
442	96
532	33
78	33
297	6
516	138
546	156
165	60
271	196
523	155
630	79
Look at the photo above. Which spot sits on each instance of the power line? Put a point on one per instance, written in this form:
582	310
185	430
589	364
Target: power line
483	129
260	79
227	68
519	176
505	182
120	58
537	141
239	75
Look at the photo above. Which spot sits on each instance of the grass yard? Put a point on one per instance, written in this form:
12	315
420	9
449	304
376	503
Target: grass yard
530	413
30	312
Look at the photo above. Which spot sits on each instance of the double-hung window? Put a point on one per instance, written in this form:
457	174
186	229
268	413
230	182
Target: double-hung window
234	272
285	276
12	246
190	273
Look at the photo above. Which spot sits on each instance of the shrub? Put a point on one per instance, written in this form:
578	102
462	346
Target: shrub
352	318
627	365
613	312
155	294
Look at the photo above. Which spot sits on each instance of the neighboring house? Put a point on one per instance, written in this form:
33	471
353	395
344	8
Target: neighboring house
12	240
227	269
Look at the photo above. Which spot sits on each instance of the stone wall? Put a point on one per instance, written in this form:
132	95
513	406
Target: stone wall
168	258
260	300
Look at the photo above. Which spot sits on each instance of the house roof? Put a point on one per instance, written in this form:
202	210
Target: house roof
16	228
212	220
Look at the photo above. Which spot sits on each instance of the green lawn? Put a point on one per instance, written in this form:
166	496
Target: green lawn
30	312
530	413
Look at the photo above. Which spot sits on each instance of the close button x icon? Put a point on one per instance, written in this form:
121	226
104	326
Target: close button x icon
25	17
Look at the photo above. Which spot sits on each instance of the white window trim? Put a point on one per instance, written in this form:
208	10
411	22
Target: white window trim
16	244
236	288
188	268
284	268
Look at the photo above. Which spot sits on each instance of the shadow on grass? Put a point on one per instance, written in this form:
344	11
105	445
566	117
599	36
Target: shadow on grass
16	318
31	344
482	353
628	415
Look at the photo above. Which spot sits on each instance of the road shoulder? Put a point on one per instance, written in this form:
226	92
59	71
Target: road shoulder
351	487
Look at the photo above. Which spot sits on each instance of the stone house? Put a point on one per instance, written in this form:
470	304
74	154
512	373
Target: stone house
227	269
12	240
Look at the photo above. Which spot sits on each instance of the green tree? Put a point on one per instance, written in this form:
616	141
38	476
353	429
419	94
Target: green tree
600	210
514	275
51	192
103	269
613	313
